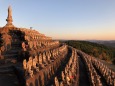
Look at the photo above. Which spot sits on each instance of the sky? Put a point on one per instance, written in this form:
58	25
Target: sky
64	19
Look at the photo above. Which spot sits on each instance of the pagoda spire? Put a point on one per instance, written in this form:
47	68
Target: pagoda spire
9	18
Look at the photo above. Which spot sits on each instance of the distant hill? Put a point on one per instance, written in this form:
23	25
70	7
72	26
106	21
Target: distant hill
106	43
98	50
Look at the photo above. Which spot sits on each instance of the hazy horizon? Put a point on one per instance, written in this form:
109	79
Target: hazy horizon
82	40
66	20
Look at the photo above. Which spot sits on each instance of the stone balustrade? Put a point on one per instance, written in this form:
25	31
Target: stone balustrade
107	73
32	35
46	57
39	44
70	74
93	76
41	68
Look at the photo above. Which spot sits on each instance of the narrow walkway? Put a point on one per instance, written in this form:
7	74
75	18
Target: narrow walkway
61	68
103	81
83	75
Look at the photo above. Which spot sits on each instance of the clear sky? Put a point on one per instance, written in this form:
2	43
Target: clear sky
64	19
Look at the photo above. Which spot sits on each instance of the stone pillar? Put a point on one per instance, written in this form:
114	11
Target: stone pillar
9	18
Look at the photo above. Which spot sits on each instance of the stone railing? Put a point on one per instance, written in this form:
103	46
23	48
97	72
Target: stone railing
41	67
93	76
32	35
92	65
34	45
107	73
70	74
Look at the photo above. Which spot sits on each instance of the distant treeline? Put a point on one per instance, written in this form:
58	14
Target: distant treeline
97	50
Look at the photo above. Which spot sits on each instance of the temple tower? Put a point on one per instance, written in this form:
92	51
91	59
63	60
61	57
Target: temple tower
9	18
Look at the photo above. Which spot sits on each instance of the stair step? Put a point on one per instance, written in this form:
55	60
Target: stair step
6	70
10	55
11	52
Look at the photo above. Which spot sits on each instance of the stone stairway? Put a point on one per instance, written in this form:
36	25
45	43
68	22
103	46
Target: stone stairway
13	52
8	76
8	80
